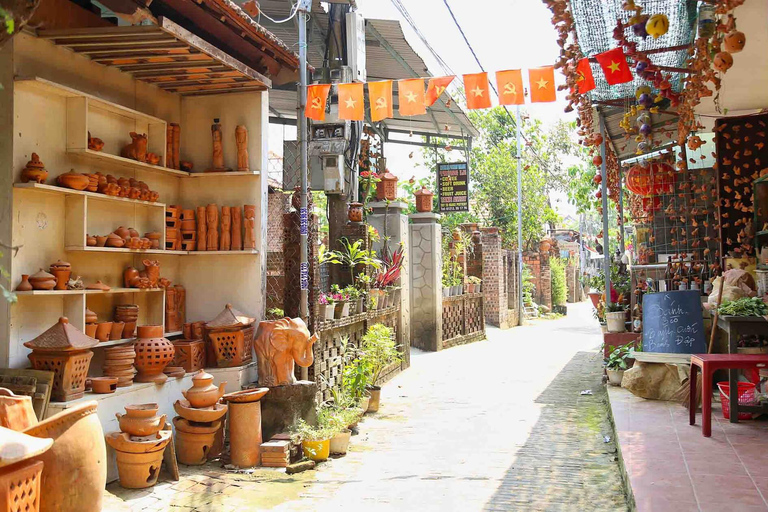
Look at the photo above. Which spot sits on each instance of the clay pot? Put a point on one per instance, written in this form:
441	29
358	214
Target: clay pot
734	42
24	285
130	275
62	278
153	354
140	420
101	241
103	330
91	241
90	317
34	171
134	243
90	330
123	233
138	460
129	330
204	415
153	235
194	442
103	385
114	240
75	470
73	180
42	280
723	61
174	372
16	411
245	426
99	286
203	392
116	332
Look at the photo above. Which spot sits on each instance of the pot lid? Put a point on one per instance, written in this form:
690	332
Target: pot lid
423	192
61	265
17	446
98	285
42	274
230	317
202	375
35	163
62	337
113	236
388	176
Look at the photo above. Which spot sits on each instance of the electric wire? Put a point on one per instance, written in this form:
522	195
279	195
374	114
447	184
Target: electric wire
289	18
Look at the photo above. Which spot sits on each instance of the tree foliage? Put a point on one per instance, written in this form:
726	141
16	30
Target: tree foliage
559	287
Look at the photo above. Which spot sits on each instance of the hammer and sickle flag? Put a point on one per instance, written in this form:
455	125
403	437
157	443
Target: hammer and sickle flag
436	87
510	84
380	97
585	81
317	96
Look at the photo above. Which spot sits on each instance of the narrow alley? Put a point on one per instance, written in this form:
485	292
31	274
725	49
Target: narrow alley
495	425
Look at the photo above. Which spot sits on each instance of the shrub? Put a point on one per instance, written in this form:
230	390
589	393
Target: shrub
559	288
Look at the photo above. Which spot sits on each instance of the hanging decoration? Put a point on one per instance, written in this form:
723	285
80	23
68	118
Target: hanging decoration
410	95
542	82
585	81
477	90
351	102
436	88
317	98
614	66
510	86
380	97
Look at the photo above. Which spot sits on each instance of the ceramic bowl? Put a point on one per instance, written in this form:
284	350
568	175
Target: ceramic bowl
103	385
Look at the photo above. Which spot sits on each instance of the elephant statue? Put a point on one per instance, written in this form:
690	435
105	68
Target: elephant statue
280	343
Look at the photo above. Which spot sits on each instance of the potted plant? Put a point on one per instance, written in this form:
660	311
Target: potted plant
473	284
616	317
355	377
341	301
315	441
388	273
276	314
329	302
617	362
378	351
354	296
323	307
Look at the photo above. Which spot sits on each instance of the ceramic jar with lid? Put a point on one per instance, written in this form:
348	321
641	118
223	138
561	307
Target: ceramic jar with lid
73	180
34	171
42	280
153	354
61	270
204	393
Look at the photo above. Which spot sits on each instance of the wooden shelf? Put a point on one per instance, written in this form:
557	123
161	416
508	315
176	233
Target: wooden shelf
53	189
122	250
51	292
223	253
125	162
128	290
222	174
90	292
112	343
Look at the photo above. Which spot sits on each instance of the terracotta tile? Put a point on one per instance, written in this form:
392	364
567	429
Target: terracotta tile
740	507
716	466
670	486
657	467
736	491
662	504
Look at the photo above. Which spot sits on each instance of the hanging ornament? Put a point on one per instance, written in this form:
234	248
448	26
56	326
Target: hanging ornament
597	160
657	25
599	194
643	89
643	118
645	100
645	129
734	41
723	61
642	147
638	25
597	179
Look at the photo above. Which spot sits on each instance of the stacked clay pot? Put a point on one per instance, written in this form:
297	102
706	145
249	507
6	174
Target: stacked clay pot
118	362
153	354
199	432
61	270
139	445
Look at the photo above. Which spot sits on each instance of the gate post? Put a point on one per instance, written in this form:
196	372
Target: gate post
426	282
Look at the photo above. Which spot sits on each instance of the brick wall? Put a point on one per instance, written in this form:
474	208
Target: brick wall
538	263
494	287
277	206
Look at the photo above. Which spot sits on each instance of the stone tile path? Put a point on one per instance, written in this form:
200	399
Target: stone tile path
495	425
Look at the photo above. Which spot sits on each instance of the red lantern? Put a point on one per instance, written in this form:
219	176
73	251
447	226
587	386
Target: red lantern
638	180
599	194
597	160
597	179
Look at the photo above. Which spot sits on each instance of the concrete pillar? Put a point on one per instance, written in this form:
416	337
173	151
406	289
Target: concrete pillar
494	289
426	282
391	222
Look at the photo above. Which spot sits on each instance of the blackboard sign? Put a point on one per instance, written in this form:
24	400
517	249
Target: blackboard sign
672	323
453	187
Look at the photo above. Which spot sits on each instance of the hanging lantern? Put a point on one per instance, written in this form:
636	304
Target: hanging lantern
657	25
597	179
387	187
597	160
638	180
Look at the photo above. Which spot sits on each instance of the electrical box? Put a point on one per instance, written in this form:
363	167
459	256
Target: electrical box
356	45
333	173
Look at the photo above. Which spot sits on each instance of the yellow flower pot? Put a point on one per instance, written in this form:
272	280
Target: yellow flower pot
316	450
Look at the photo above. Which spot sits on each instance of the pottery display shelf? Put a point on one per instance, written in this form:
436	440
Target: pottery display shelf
78	105
111	291
55	189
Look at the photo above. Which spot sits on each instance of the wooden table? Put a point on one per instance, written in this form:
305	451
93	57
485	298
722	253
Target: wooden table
735	326
708	364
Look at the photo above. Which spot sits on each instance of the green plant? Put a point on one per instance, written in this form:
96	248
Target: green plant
746	306
379	350
559	287
617	360
616	307
474	280
275	313
352	254
529	288
303	431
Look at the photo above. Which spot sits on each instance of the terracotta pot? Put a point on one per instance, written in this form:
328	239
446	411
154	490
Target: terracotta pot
114	240
153	354
203	392
103	385
24	285
34	171
245	434
355	212
340	442
130	275
73	180
101	241
62	278
90	317
75	470
373	404
316	450
90	330
129	330
137	422
42	280
116	333
103	330
205	415
16	411
138	462
123	233
194	442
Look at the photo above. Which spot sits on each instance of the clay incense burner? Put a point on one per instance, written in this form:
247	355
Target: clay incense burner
203	392
34	171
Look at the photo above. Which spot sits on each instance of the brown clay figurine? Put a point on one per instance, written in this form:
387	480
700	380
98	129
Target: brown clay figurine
226	226
137	149
176	146
237	228
278	345
153	158
202	238
186	165
212	228
218	151
151	271
241	138
169	146
34	171
249	242
95	143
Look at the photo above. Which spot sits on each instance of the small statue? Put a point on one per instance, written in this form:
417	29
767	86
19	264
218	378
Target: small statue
176	142
218	151
279	344
151	272
241	137
226	227
212	230
34	171
169	146
95	143
137	149
237	228
250	226
202	239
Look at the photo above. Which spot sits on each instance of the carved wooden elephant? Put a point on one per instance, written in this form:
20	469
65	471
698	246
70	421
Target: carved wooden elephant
278	345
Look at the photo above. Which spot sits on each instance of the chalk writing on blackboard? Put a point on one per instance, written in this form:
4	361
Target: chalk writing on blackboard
672	322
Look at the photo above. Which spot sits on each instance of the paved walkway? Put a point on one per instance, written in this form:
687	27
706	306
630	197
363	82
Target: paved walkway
495	425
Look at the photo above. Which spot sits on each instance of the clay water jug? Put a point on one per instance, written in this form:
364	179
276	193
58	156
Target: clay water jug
204	392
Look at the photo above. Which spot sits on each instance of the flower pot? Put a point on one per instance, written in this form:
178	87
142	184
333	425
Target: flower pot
616	321
373	404
595	298
360	305
340	442
364	403
138	461
478	288
342	310
330	311
103	330
317	451
245	433
470	288
615	377
461	289
194	442
446	291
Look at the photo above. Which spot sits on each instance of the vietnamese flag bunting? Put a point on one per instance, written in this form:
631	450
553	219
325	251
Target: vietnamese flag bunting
585	81
542	82
410	94
614	65
380	96
477	90
351	102
436	87
317	96
510	85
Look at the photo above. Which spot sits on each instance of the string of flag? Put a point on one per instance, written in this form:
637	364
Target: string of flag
414	100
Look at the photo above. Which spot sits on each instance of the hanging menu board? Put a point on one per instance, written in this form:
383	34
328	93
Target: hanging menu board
672	323
453	187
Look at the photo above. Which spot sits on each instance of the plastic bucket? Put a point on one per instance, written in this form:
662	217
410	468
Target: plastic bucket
746	397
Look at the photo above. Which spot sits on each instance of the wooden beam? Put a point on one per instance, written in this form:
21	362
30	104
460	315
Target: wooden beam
154	66
97	33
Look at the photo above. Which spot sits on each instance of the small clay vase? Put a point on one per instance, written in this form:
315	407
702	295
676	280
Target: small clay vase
129	330
101	241
62	276
153	354
203	392
114	240
91	241
34	171
141	420
90	317
90	330
123	233
24	285
130	275
42	280
73	180
116	333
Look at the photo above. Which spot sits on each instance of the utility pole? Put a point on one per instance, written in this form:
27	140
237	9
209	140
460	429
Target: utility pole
305	6
606	238
518	151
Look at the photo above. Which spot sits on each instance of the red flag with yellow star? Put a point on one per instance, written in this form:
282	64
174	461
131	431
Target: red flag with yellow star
436	87
614	65
351	102
542	82
410	94
317	96
380	97
477	91
585	81
510	84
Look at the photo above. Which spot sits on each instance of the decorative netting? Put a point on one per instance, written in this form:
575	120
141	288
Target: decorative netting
595	21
